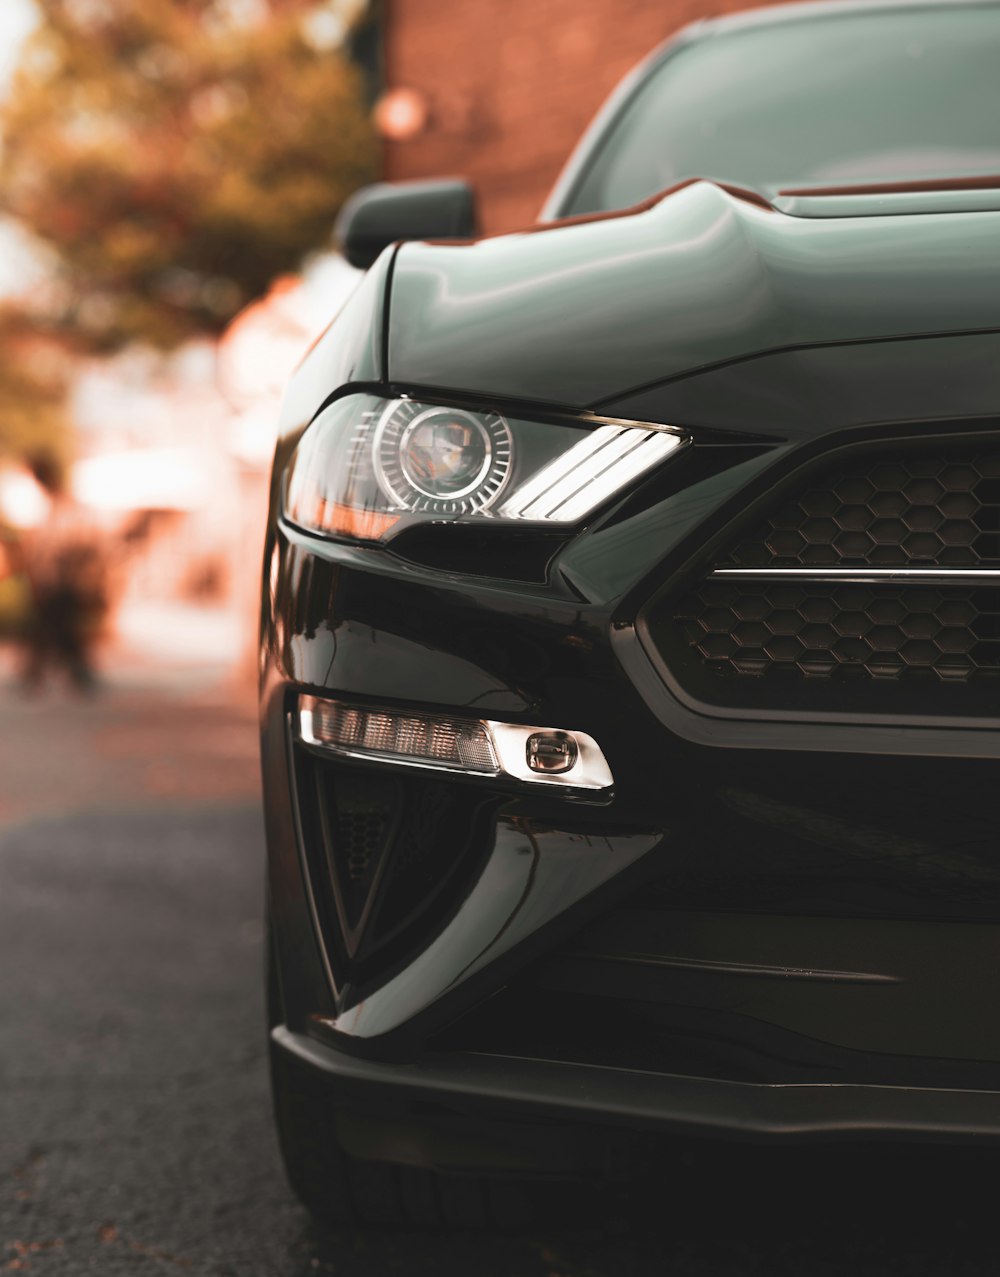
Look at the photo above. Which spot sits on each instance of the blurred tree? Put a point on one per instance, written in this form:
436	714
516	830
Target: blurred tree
34	374
178	155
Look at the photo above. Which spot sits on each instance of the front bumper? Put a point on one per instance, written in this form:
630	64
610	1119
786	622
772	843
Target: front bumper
502	1090
768	932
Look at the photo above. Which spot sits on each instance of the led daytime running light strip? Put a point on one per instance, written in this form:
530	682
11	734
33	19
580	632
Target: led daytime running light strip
440	742
593	470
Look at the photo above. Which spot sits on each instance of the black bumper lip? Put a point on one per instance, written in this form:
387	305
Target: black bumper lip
667	1103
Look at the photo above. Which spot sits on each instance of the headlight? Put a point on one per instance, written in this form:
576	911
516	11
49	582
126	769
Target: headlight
366	465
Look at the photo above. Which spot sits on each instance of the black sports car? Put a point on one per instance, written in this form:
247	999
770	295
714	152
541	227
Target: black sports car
631	635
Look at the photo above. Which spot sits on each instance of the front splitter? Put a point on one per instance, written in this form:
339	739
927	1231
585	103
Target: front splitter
671	1103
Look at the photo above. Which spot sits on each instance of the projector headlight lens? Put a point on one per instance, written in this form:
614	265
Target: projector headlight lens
441	460
367	466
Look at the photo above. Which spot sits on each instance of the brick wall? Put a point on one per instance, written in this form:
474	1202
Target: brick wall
511	84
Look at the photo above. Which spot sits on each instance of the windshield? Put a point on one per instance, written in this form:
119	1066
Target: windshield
844	99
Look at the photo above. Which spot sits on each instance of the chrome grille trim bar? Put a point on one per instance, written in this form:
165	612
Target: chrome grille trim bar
865	576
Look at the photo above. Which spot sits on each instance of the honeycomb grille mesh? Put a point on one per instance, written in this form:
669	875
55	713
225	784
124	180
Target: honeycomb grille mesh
939	509
360	835
818	631
928	507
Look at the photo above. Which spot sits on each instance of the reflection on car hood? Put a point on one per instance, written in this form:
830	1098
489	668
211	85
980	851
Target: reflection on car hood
579	313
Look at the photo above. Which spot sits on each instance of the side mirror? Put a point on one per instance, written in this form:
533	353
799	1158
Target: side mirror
378	215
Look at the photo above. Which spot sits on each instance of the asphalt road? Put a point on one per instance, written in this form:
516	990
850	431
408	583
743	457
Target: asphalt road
135	1133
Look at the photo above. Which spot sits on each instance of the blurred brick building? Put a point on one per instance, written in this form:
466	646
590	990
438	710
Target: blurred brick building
499	90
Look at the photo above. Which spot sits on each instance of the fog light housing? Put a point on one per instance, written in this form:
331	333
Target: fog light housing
572	761
551	753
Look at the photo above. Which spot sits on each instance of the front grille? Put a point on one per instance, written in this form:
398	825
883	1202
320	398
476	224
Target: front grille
847	633
871	585
940	508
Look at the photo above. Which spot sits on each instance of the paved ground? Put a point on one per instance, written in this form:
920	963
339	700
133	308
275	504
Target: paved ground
135	1136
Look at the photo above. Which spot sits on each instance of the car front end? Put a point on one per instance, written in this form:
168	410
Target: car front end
631	622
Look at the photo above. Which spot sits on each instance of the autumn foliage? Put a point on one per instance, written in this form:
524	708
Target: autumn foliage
34	375
176	156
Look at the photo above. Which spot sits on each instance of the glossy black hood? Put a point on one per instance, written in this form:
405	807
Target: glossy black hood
581	313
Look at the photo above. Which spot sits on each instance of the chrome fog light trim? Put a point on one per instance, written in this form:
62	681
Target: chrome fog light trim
589	769
471	747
